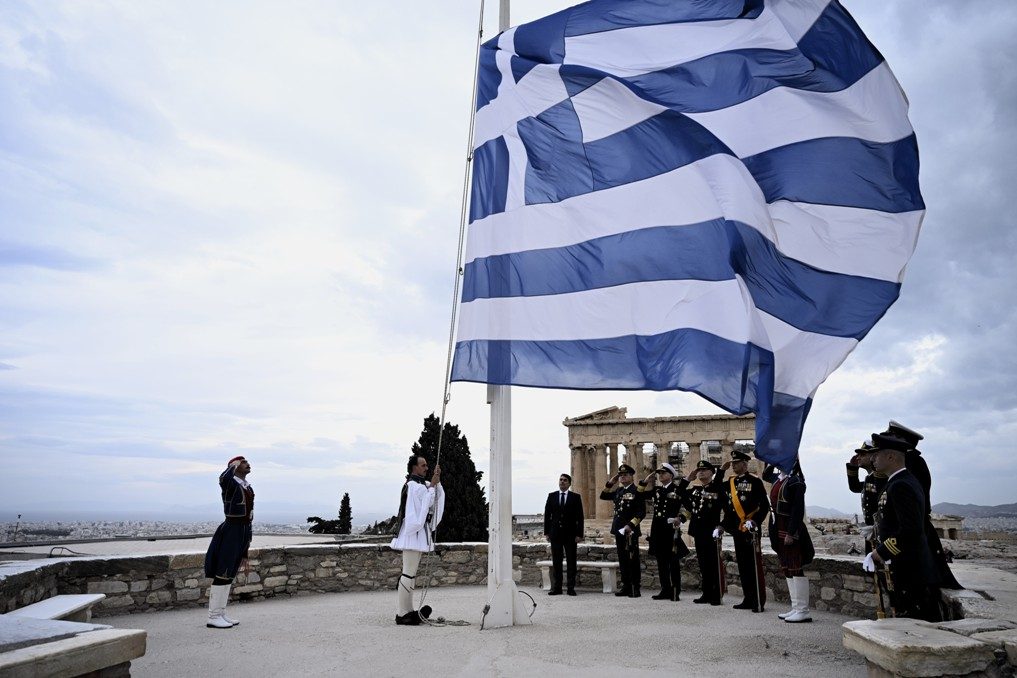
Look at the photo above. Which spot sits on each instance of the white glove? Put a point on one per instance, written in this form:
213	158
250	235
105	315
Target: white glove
866	532
624	530
869	565
749	525
672	521
717	532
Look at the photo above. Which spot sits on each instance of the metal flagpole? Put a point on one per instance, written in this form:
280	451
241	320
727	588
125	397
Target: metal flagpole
505	608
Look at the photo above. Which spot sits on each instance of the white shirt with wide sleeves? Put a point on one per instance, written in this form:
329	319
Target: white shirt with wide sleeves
415	533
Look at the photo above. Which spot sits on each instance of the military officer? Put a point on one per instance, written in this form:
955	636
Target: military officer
900	545
704	503
870	488
629	511
665	538
915	463
745	509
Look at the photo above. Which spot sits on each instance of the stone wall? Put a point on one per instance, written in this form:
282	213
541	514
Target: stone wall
136	584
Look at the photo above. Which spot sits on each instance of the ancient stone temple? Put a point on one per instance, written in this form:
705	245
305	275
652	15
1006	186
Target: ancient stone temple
601	440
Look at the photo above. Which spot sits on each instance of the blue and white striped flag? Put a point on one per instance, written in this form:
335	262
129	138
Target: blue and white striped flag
712	196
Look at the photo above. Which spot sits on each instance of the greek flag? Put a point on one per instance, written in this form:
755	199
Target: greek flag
711	196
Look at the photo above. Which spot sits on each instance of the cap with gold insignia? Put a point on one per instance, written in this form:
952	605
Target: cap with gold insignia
884	441
865	447
625	468
738	455
667	468
898	430
703	464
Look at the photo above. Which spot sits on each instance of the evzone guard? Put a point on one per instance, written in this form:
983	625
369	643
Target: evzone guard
231	541
629	511
421	506
746	506
789	537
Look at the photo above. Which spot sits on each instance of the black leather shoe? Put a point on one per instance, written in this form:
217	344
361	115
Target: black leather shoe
715	602
624	593
571	592
744	605
554	592
409	619
661	596
701	600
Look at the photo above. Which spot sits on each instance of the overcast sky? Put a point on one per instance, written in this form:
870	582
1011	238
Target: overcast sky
230	228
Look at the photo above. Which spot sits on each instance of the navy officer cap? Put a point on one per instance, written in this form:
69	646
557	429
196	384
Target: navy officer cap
625	468
738	455
901	431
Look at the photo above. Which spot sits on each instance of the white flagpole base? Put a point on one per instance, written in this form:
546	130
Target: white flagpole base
507	608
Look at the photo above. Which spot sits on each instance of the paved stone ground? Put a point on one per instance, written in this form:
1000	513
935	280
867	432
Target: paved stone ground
590	635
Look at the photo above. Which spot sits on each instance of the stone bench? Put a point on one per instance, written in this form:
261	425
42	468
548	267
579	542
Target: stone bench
608	572
32	647
71	607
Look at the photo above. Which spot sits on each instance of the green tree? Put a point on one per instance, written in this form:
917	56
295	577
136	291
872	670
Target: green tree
465	517
345	515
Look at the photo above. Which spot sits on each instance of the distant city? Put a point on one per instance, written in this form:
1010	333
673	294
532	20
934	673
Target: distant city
29	531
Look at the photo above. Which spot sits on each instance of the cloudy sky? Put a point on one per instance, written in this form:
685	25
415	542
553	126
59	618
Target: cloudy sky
230	228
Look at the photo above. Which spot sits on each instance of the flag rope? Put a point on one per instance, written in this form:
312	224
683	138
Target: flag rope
455	287
457	278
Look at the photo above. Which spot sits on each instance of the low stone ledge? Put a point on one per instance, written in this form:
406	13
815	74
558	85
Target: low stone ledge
913	648
969	627
1005	640
75	656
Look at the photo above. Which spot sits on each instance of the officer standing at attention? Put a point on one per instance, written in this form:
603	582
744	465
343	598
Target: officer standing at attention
629	511
915	463
745	509
704	503
870	488
665	538
900	544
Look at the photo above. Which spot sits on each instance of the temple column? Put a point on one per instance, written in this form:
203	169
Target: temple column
593	491
576	470
604	508
612	466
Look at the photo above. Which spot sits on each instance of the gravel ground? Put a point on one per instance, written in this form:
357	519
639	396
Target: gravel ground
590	635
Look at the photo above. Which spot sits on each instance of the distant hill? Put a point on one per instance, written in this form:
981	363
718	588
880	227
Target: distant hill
976	511
823	512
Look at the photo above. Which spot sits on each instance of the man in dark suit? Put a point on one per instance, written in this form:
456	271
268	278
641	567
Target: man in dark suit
563	527
900	544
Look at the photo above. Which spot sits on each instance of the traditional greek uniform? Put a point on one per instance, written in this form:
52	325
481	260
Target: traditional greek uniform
229	545
233	536
787	497
421	506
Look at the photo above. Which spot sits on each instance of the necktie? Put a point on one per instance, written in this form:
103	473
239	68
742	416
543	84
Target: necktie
563	499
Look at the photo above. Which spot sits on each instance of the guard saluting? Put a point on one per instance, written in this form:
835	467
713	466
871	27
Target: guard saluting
704	503
665	538
870	488
745	509
900	543
629	511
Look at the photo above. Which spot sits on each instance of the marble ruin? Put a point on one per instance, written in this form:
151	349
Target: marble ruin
600	440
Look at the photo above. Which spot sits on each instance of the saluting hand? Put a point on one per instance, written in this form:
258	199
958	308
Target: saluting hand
726	466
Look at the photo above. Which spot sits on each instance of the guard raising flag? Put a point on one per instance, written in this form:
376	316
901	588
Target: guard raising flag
718	197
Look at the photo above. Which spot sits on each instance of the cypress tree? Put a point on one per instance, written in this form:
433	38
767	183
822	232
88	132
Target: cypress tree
345	515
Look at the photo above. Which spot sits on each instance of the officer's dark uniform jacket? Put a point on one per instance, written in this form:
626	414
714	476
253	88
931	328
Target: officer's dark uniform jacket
751	494
667	503
870	489
629	508
900	532
704	504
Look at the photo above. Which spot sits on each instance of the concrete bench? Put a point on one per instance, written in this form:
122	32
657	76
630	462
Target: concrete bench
608	572
70	607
